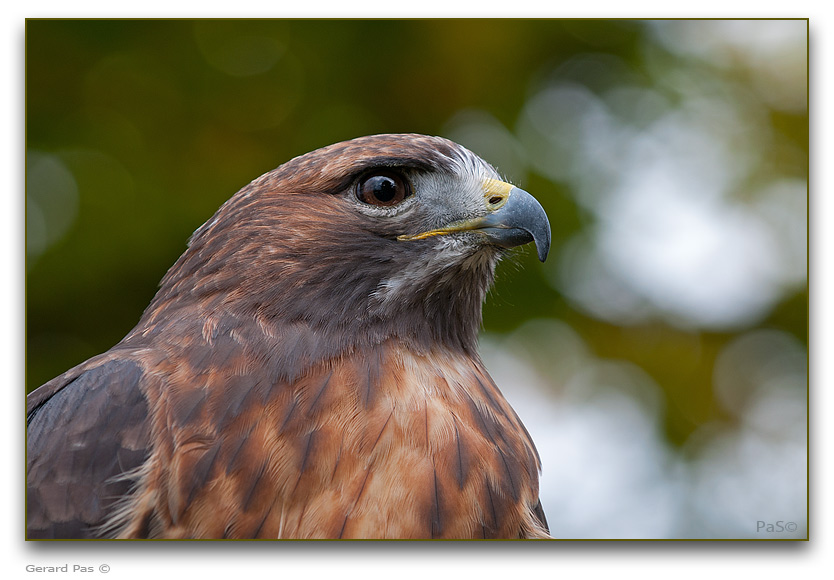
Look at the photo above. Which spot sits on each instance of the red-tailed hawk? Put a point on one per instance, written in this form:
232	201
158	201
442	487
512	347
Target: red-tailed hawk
308	368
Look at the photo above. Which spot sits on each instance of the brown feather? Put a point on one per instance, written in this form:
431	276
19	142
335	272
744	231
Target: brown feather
271	390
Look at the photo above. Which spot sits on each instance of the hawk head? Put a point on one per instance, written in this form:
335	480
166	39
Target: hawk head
381	237
310	360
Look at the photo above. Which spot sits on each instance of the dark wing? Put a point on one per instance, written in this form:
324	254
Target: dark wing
539	512
81	437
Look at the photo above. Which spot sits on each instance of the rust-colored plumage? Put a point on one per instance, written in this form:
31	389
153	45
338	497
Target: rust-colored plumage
308	368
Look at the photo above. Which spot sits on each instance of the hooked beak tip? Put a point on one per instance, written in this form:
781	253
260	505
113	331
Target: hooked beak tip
519	221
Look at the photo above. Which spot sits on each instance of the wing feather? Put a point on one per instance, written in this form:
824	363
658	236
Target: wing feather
83	441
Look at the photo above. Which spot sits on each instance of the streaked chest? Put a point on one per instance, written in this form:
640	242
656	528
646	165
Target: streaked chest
387	444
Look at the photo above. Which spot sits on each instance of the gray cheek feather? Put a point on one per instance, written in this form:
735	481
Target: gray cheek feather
444	198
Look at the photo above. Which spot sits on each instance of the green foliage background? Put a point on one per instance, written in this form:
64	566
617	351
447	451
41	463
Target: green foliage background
160	121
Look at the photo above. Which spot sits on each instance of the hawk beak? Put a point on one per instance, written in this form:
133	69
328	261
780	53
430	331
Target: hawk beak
513	218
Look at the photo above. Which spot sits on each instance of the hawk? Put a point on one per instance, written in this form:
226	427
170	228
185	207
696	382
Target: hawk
308	368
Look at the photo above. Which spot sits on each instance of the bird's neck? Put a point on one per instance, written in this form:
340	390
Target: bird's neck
330	305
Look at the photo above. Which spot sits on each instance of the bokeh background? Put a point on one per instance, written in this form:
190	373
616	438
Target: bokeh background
658	358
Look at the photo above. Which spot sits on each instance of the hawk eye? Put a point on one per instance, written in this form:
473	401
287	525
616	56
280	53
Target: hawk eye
384	189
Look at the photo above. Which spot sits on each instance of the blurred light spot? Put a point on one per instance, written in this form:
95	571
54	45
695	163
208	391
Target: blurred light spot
51	201
757	472
636	105
261	102
673	237
486	136
231	48
606	472
702	262
740	478
782	206
764	359
554	126
554	347
114	131
134	85
585	277
101	177
774	51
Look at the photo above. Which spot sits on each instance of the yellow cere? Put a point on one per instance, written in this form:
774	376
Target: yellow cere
495	187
